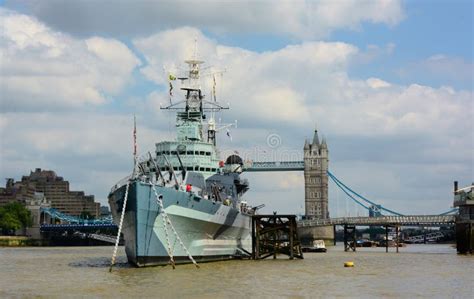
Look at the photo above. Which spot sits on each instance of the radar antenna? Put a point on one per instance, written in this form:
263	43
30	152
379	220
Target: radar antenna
191	111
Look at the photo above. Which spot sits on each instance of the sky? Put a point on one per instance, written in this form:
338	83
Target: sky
388	83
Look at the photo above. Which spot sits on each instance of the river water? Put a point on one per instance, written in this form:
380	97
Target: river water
417	271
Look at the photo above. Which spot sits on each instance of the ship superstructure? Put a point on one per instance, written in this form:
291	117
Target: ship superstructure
182	203
195	148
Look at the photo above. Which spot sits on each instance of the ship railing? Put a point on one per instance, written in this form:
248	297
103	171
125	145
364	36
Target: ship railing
120	183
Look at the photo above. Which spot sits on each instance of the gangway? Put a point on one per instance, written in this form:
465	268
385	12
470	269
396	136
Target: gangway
104	238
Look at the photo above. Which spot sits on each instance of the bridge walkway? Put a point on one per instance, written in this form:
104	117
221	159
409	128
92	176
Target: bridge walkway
414	220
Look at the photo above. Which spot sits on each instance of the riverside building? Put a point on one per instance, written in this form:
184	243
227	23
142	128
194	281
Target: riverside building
55	190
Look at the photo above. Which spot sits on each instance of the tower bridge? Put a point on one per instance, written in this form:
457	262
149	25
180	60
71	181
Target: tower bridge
315	168
317	223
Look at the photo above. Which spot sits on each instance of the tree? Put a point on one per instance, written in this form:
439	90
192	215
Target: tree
14	216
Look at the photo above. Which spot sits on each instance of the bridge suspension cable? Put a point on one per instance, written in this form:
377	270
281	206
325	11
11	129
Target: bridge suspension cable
345	188
348	194
452	211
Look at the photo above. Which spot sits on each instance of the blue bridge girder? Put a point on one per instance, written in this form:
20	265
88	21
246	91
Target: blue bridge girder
255	166
56	214
76	227
412	220
274	166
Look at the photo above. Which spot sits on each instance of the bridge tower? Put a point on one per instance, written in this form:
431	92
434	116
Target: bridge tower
316	158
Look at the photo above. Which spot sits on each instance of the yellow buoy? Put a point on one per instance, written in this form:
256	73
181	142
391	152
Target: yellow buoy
349	264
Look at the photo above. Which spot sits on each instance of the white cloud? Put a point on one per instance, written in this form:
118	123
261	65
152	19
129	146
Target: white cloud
77	145
444	65
304	83
440	69
301	19
351	13
373	53
290	89
259	86
44	69
377	83
372	125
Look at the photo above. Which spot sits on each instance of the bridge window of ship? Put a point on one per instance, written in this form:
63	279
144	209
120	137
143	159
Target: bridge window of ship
201	153
208	169
208	153
189	153
190	168
173	153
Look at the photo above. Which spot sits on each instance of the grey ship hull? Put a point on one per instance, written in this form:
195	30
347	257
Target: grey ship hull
209	230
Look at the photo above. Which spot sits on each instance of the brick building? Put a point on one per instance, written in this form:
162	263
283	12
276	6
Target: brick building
54	188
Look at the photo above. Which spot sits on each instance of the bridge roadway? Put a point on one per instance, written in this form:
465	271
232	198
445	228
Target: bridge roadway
274	166
75	226
414	220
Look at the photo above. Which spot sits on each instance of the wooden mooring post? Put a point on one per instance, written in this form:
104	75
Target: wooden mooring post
350	238
273	235
397	237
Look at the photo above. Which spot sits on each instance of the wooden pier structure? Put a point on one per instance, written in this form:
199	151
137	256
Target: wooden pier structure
273	235
350	224
464	199
350	237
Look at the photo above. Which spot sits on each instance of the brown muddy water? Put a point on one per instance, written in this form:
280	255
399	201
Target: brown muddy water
433	271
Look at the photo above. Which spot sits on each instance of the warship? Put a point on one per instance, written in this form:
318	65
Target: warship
182	204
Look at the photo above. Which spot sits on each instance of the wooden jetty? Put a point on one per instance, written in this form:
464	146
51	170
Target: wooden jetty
273	235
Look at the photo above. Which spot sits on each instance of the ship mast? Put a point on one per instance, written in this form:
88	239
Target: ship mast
190	118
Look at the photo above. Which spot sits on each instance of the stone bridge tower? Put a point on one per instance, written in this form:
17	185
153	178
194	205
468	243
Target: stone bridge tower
316	178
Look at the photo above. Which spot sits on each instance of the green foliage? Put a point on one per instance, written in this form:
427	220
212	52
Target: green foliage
14	216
